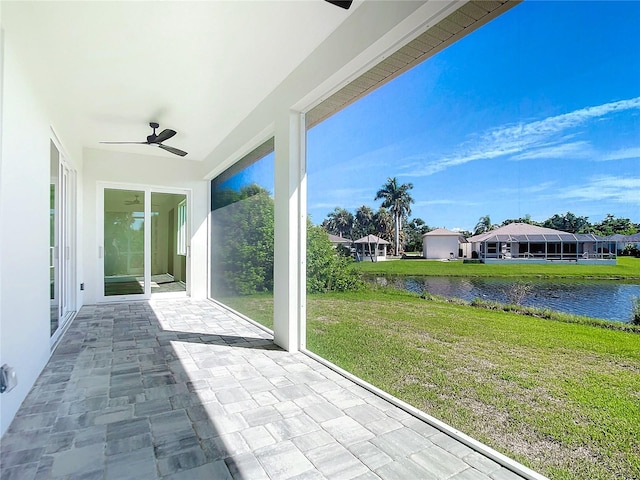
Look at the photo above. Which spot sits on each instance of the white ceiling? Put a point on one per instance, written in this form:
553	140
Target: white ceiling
109	68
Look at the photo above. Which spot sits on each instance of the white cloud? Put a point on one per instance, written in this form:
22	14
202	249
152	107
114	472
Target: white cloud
349	198
537	139
581	149
531	189
426	203
623	154
609	188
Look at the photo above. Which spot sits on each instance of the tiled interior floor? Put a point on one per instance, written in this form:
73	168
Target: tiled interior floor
182	389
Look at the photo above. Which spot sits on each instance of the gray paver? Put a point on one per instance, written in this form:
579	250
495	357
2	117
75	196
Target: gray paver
257	437
283	460
313	440
439	461
129	465
370	455
291	427
481	463
323	412
403	469
470	474
335	461
246	466
183	390
346	430
78	461
217	470
401	442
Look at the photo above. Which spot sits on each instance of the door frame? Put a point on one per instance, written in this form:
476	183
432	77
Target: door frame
64	254
147	190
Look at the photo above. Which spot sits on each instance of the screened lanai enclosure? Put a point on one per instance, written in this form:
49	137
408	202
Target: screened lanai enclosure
518	242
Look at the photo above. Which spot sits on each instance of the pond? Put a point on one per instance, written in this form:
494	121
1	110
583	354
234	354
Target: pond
610	300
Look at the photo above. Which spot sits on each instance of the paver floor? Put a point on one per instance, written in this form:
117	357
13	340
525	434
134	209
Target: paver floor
182	389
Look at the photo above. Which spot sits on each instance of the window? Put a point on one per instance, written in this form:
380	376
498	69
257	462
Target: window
242	248
181	243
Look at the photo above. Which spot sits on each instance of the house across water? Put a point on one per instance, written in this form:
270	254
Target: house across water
524	243
443	244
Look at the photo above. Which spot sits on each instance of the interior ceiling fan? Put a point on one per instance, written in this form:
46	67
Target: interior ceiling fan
133	202
341	3
156	140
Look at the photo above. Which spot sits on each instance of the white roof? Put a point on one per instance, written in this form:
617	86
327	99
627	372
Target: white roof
443	232
336	239
533	233
371	239
515	229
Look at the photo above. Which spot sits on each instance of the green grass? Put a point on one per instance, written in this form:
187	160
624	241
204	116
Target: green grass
258	307
626	268
562	398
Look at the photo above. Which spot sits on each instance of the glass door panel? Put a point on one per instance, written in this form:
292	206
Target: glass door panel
54	271
124	242
168	242
61	243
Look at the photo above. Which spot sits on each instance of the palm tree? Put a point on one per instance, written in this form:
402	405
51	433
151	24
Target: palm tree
383	224
484	225
364	221
398	200
340	222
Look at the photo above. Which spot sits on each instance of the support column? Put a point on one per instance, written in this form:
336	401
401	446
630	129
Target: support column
289	289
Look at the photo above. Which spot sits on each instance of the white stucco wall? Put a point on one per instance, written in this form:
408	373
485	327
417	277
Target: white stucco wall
24	231
140	171
439	247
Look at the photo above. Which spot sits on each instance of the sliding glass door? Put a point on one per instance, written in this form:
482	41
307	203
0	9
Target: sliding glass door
144	243
124	242
61	242
168	243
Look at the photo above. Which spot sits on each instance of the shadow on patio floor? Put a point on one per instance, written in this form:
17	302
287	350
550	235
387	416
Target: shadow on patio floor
182	389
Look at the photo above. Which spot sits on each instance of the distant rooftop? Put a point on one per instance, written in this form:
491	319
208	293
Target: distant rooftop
532	233
443	232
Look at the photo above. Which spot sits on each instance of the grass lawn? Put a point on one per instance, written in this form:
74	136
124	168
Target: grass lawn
562	398
627	268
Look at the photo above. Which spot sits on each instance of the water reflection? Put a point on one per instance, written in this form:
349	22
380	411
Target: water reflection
610	300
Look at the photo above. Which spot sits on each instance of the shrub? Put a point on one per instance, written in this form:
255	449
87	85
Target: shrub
517	292
635	311
327	269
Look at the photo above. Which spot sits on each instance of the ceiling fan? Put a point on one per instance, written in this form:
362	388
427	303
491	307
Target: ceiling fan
157	140
341	3
133	202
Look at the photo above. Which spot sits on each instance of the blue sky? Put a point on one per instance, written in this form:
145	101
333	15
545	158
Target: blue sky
537	112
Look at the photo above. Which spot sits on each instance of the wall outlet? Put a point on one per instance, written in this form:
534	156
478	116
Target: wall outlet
82	286
8	378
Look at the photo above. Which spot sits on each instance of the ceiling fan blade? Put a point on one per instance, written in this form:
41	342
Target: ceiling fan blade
126	143
341	3
164	135
175	151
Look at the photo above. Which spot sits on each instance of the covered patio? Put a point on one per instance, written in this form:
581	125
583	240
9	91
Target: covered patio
371	248
184	389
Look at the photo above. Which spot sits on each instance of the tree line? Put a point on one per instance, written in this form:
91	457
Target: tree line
387	222
568	222
242	250
392	221
243	237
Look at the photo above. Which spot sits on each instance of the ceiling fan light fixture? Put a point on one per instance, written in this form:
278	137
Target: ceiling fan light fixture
156	140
